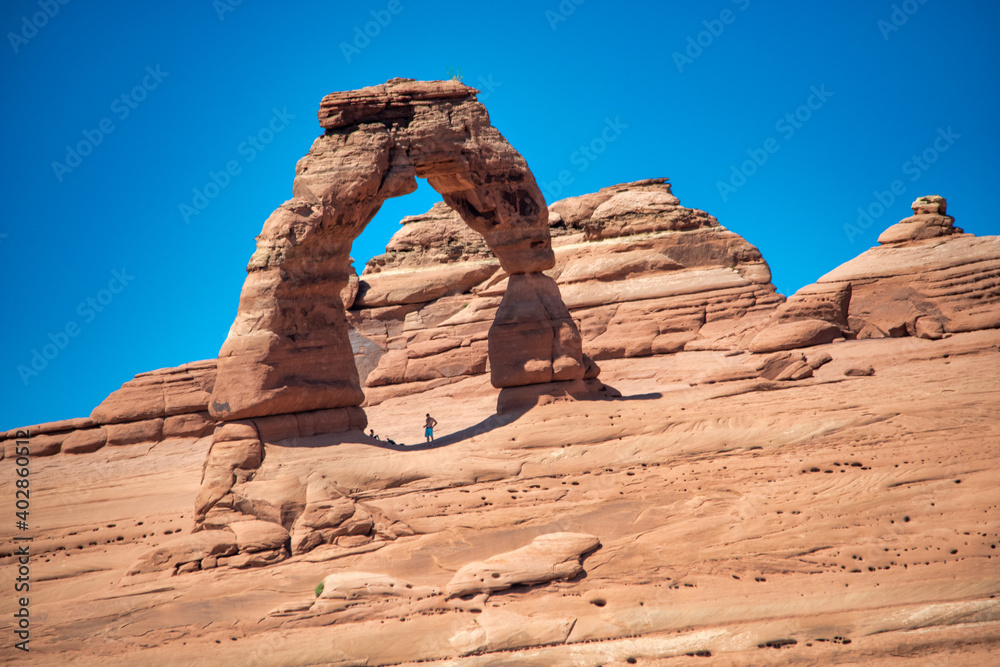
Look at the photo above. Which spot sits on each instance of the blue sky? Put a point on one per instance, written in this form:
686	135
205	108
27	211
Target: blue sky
782	119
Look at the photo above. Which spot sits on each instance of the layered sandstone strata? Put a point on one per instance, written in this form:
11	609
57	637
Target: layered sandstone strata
927	278
153	406
599	530
640	273
847	520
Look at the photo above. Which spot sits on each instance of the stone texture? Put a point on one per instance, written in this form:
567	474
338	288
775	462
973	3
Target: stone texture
171	555
497	630
826	302
236	451
46	445
351	587
408	286
136	432
85	441
288	350
695	555
191	425
161	393
60	426
638	272
165	403
308	424
533	339
926	280
434	238
929	220
521	399
256	535
548	557
945	282
814	315
795	334
849	510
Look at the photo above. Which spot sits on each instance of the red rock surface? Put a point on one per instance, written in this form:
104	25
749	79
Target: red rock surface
766	481
720	528
161	393
289	349
641	274
925	285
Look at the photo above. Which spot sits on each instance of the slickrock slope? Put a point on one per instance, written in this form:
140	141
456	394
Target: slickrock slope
730	515
641	274
728	504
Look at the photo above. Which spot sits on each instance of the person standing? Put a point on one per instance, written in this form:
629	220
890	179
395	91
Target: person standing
429	425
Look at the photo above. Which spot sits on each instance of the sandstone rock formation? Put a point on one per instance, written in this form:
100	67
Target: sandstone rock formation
167	403
238	490
642	274
929	220
927	279
548	557
409	336
160	394
496	630
848	518
288	350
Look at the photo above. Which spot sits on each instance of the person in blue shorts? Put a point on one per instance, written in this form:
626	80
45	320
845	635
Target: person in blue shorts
429	427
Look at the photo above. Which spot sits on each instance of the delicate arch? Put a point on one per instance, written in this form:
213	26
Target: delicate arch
288	349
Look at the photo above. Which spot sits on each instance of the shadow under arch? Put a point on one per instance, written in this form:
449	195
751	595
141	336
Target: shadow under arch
501	419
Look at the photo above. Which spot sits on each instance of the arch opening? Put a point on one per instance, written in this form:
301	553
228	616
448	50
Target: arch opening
288	350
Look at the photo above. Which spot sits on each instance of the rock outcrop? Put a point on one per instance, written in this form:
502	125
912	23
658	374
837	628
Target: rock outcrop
160	394
642	275
927	278
929	220
548	557
289	349
646	275
154	406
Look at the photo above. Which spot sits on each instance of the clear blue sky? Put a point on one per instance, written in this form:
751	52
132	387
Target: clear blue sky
693	90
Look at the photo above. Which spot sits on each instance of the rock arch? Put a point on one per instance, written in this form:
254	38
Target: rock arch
288	350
